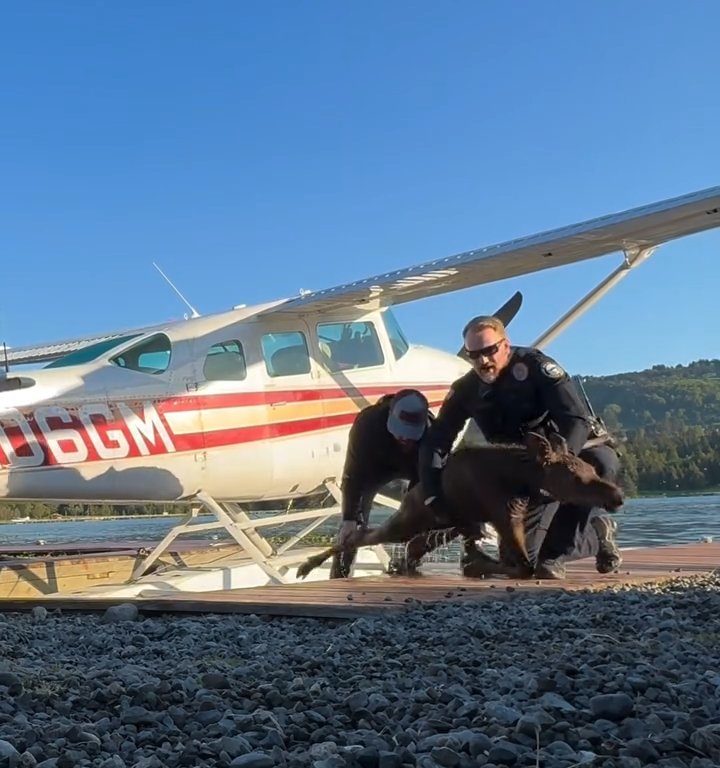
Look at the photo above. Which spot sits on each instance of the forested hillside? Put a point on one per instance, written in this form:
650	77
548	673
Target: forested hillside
668	419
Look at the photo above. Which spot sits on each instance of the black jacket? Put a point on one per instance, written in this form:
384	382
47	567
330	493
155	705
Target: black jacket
533	393
373	459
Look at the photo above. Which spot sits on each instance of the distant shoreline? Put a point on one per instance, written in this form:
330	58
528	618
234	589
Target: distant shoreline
172	515
674	494
91	518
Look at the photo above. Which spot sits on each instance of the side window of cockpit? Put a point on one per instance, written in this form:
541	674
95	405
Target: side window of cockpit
345	346
286	354
150	356
225	362
398	342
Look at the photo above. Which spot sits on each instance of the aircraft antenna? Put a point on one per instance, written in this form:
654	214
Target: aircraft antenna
195	313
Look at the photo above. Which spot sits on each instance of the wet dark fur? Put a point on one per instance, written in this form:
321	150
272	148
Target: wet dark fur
490	484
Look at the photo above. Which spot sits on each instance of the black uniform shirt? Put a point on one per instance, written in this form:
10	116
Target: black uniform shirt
533	393
373	458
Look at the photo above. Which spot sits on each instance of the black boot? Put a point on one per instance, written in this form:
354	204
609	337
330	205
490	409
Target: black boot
477	564
550	568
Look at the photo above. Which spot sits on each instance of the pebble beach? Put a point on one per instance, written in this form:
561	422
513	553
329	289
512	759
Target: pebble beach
622	678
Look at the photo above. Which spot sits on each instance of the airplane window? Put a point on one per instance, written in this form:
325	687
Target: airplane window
150	356
286	354
89	353
344	346
225	362
398	342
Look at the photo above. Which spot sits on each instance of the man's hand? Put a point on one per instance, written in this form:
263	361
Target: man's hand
346	532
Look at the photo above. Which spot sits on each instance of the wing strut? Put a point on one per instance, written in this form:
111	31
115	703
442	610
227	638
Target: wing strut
633	258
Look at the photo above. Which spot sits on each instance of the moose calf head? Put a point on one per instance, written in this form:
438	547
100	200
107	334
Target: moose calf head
567	478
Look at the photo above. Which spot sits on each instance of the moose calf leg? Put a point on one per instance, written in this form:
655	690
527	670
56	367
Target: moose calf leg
511	532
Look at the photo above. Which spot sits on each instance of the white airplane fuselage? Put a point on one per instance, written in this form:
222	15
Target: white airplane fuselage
228	404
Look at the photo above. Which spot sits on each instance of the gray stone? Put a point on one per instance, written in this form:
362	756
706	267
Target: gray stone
368	757
555	701
445	756
209	716
12	682
356	701
214	681
612	706
252	760
560	749
334	761
532	722
377	702
137	715
585	757
479	743
707	739
503	714
504	753
8	754
625	761
643	749
323	749
119	613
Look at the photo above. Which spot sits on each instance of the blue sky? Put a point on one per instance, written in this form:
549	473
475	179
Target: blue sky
254	149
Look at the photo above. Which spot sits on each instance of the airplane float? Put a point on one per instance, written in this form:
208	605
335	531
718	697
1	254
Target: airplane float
255	403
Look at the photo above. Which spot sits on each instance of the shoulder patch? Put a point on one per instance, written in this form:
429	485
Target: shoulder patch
552	370
520	371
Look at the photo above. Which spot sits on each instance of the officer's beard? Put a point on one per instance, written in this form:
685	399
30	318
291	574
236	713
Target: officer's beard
488	374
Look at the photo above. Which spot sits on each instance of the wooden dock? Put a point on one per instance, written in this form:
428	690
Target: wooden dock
50	569
353	598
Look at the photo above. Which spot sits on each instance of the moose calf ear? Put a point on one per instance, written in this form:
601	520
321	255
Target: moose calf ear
538	447
558	443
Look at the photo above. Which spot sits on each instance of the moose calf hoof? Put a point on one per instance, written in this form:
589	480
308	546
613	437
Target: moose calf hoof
401	567
526	571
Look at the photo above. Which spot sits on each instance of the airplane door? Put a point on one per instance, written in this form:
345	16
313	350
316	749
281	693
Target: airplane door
354	373
229	393
294	406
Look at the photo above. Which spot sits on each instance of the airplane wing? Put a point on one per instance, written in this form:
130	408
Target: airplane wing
40	353
643	227
638	228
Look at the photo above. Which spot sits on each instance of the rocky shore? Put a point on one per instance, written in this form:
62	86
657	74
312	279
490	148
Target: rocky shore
623	678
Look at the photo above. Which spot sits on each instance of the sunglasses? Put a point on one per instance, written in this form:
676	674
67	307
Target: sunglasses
488	351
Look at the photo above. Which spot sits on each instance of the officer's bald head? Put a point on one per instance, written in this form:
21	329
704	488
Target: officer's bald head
484	321
487	347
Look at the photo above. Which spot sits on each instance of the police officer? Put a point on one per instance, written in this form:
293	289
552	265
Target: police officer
382	446
509	391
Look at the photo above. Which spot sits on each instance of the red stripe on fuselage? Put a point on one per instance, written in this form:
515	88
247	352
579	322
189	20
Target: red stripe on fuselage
238	435
193	441
193	402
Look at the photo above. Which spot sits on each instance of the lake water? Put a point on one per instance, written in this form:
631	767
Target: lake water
642	522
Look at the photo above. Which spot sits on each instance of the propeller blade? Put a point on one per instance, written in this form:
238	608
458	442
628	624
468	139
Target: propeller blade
505	314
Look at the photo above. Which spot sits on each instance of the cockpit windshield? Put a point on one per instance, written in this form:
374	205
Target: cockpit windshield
397	338
89	353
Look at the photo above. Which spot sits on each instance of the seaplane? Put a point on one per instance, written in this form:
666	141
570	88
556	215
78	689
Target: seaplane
225	411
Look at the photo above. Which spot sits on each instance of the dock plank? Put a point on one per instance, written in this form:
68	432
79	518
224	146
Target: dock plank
375	595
